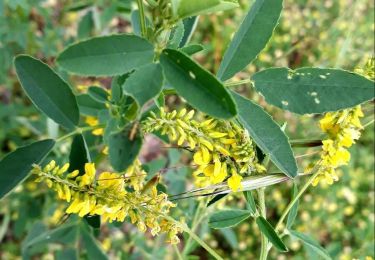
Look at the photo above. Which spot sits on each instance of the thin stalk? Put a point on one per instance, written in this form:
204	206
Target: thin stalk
78	131
263	213
291	204
197	239
142	17
194	225
179	256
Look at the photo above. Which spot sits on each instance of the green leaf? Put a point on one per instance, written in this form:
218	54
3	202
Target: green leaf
145	83
192	49
176	35
122	150
99	94
89	106
79	154
187	8
250	202
294	210
65	234
106	55
86	25
200	88
230	236
251	38
273	141
313	90
67	254
93	249
49	93
228	218
15	166
216	198
271	234
190	24
311	243
136	23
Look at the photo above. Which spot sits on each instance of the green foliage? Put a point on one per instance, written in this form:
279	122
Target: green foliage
200	88
311	243
188	8
40	83
124	147
313	90
15	167
228	218
252	36
293	212
270	233
79	154
98	93
106	55
273	142
145	83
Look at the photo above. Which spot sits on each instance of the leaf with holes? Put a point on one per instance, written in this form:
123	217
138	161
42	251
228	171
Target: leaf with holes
313	90
199	87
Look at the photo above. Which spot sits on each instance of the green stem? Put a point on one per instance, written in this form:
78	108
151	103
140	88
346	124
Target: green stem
142	17
179	256
197	239
78	131
296	198
194	225
263	213
237	83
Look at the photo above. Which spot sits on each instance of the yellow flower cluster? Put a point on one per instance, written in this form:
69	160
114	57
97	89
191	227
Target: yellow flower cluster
223	151
343	128
112	196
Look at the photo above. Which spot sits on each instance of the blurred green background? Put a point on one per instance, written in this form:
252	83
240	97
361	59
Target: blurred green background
332	33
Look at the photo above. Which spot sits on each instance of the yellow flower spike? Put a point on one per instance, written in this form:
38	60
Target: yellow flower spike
222	175
222	150
191	142
206	143
50	166
172	135
59	190
89	176
228	141
55	170
234	182
217	134
182	112
206	156
209	170
189	115
217	168
182	124
73	174
63	169
76	205
68	193
181	139
206	122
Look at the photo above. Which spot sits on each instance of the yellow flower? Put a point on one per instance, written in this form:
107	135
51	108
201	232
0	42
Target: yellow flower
89	176
234	182
93	121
